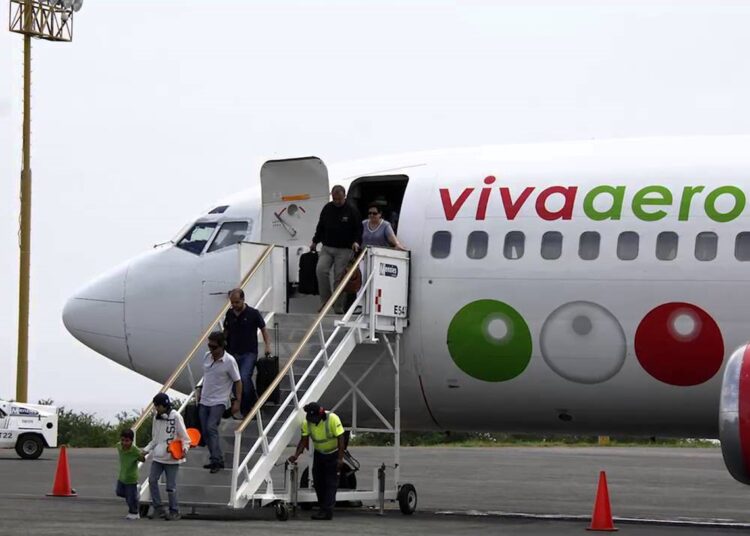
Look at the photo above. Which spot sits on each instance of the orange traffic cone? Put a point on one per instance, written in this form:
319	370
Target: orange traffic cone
61	487
601	519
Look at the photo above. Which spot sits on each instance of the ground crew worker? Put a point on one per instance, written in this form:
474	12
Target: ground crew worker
328	439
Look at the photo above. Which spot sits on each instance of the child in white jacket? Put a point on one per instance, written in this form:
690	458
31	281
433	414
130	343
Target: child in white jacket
167	427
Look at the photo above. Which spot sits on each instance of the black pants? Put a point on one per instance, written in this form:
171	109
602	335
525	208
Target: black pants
325	479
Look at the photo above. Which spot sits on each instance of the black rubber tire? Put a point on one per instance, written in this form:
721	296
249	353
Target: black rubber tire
282	511
407	499
29	446
143	510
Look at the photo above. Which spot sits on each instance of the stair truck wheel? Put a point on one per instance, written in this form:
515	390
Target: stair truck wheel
143	510
407	499
29	446
281	509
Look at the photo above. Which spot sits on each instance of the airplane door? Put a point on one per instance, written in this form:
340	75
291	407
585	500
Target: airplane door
293	194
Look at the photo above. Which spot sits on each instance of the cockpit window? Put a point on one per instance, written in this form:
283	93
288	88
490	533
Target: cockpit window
230	234
219	210
195	239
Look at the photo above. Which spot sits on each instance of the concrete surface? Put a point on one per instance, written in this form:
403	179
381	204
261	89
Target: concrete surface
657	483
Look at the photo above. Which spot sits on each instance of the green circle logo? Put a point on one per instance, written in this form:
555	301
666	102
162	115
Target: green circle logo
489	341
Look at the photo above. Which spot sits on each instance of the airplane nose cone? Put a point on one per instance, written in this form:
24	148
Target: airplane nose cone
95	315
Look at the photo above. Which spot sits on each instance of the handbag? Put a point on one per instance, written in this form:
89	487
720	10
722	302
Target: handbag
355	281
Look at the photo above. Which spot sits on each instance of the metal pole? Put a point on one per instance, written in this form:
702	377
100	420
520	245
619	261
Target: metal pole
397	412
22	367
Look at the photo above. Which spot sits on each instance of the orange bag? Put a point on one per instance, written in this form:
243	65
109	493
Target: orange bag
195	436
175	449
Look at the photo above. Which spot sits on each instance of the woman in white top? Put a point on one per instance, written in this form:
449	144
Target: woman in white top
378	232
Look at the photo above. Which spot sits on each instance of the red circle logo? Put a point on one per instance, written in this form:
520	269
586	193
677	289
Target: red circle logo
679	344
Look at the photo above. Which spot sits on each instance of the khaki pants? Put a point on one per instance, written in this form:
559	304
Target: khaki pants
335	258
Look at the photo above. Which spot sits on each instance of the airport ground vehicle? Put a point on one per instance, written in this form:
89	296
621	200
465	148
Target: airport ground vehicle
28	428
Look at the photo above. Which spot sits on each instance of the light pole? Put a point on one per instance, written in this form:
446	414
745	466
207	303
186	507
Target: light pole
51	20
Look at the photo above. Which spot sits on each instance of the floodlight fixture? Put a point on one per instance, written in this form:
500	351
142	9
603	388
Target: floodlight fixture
44	19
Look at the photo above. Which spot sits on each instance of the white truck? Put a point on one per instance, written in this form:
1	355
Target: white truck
28	428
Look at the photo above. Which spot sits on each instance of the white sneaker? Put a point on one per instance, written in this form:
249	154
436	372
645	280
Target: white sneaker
132	516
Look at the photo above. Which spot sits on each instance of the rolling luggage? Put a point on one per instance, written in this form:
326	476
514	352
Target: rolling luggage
268	369
308	281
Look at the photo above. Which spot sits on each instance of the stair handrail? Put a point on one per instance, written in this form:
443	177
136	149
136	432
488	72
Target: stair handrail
303	342
173	378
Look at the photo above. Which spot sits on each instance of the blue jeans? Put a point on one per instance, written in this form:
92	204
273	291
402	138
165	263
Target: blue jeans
170	469
130	493
210	417
246	364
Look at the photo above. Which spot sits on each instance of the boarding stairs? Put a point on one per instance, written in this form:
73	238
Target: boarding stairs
313	349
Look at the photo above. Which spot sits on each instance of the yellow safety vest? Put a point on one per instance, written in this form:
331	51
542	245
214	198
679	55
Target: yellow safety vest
324	434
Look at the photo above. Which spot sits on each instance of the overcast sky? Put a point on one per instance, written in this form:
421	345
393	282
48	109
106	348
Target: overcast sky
158	108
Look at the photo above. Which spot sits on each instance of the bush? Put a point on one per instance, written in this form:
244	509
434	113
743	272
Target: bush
82	429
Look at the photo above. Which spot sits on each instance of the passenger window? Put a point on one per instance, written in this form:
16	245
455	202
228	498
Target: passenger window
441	244
666	246
231	233
627	246
551	245
742	247
195	239
476	245
588	245
706	245
514	244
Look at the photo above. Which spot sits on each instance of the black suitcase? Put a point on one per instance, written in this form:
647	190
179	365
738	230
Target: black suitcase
308	281
268	369
192	420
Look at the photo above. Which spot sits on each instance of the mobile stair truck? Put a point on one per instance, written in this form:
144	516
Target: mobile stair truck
316	348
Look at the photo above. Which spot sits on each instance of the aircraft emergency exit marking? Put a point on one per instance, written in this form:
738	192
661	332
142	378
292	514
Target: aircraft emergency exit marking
603	202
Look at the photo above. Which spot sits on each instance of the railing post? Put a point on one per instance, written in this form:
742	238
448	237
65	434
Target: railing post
293	386
262	433
397	411
371	298
323	343
235	469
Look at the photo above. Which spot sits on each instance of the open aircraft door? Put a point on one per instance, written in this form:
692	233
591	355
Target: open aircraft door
293	192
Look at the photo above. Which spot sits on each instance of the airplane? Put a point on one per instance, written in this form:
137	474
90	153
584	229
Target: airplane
589	287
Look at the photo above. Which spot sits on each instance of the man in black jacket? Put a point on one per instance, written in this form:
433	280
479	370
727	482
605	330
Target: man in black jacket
340	231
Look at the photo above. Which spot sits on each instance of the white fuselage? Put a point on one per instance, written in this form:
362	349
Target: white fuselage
577	287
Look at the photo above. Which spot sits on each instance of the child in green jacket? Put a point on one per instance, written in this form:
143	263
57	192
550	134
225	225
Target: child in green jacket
127	480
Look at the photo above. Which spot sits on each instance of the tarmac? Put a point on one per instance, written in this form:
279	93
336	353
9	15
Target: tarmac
513	490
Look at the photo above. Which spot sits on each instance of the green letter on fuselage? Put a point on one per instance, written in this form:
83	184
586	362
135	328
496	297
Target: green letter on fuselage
722	217
614	212
687	197
640	200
